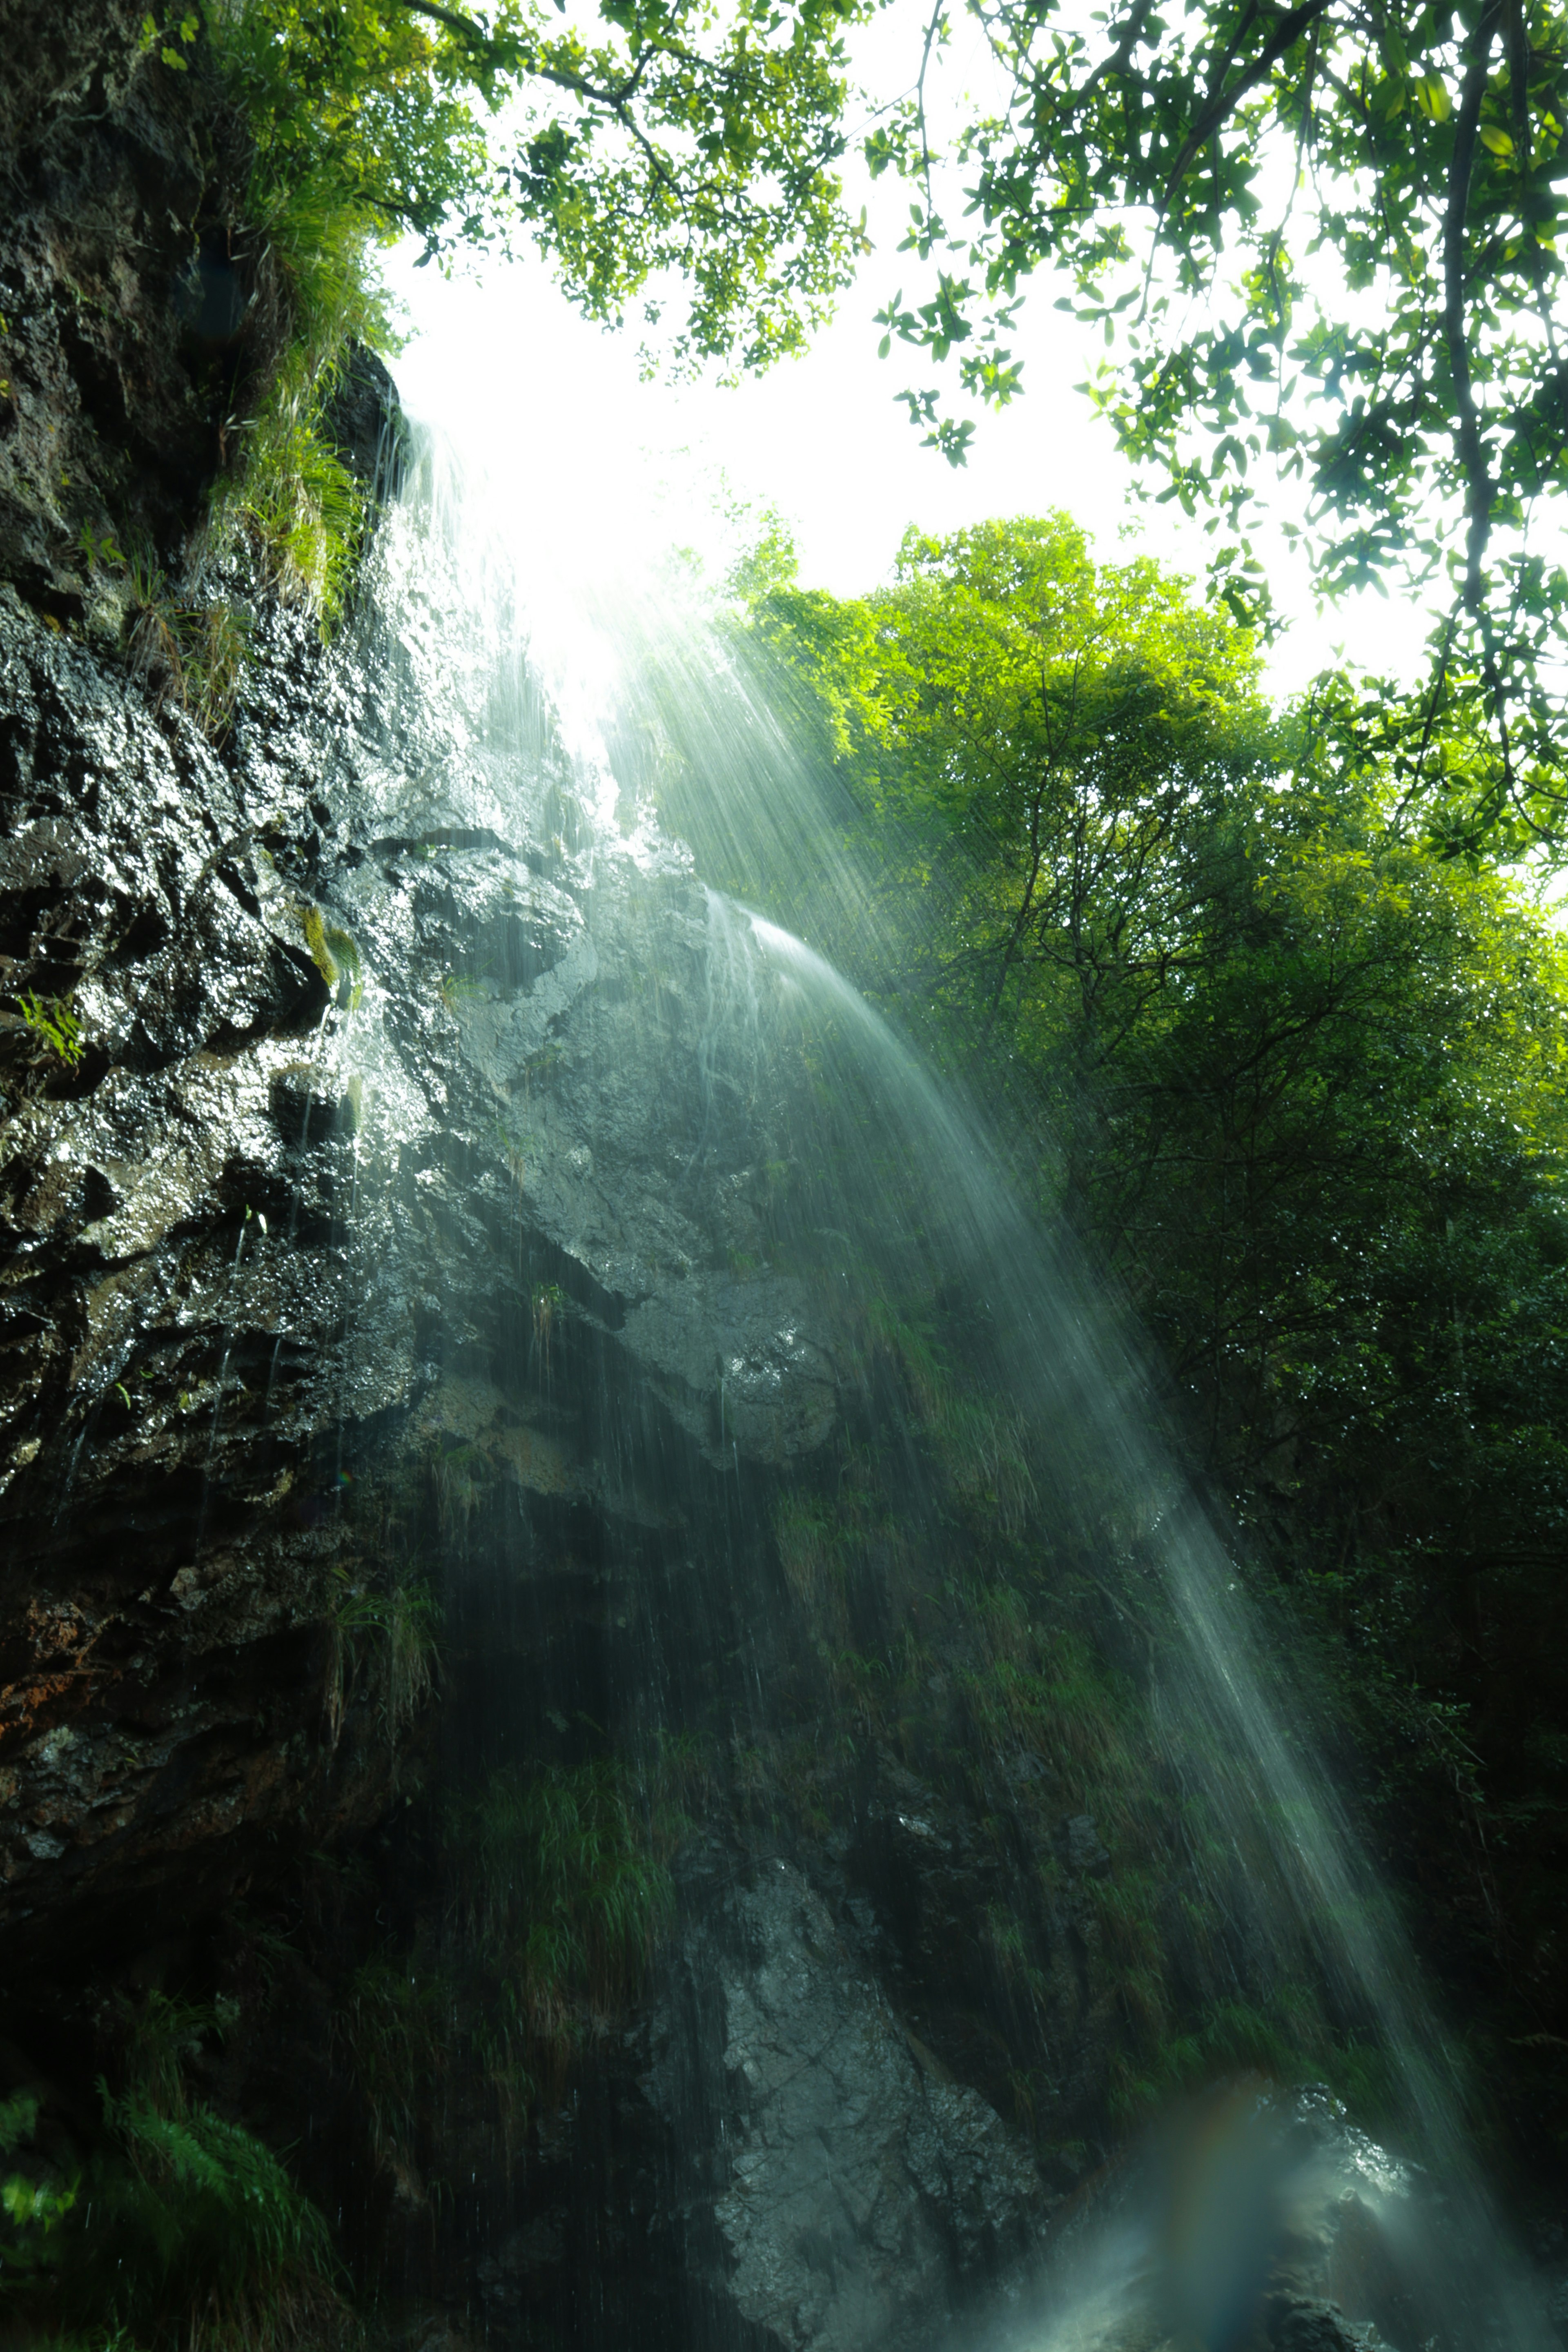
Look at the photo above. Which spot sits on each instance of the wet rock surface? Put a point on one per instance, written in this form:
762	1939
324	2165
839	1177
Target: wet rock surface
121	175
389	1208
858	2195
360	1098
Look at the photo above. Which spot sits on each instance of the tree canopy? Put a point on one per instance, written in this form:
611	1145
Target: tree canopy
678	152
1322	242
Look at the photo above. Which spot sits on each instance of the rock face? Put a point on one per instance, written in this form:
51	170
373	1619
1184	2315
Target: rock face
375	1194
858	2191
129	1166
285	1200
115	374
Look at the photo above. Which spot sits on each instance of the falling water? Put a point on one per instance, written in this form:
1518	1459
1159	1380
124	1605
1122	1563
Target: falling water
508	670
1056	1355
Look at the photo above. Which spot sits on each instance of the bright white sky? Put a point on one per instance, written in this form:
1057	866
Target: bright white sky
597	465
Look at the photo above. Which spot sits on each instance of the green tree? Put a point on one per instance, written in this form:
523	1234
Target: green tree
1326	237
1297	1078
674	147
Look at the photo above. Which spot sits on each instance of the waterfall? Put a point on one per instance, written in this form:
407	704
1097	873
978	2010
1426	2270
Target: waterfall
877	1264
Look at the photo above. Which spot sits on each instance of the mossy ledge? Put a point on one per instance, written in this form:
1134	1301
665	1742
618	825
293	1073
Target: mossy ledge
193	412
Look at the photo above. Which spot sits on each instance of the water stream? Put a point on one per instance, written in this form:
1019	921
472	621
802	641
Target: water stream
904	1191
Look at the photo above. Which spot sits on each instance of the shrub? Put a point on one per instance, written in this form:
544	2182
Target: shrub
180	2231
198	2233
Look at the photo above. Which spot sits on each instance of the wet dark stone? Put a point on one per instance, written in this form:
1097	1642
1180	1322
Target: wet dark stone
1081	1848
857	2196
366	425
1308	2325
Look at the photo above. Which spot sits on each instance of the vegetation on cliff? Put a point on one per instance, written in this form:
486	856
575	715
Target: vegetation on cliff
168	2225
1292	1071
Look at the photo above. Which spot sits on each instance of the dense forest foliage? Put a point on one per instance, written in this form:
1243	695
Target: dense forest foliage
1290	1070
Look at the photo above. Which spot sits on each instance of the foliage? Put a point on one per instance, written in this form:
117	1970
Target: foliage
395	2023
195	2216
1281	2041
191	649
677	141
34	2207
289	496
1301	1081
1327	237
179	2228
977	1440
392	1630
161	2036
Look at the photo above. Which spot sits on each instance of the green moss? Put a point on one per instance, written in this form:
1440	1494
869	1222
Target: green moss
979	1444
1285	2040
335	954
814	1543
344	949
315	930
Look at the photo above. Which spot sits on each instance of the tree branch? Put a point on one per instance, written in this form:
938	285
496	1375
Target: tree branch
932	28
1468	435
455	21
1222	102
1479	487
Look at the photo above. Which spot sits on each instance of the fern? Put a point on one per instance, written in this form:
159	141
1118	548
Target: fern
197	2232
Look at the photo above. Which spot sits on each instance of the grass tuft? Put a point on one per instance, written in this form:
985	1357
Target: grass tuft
563	1886
290	498
387	1636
